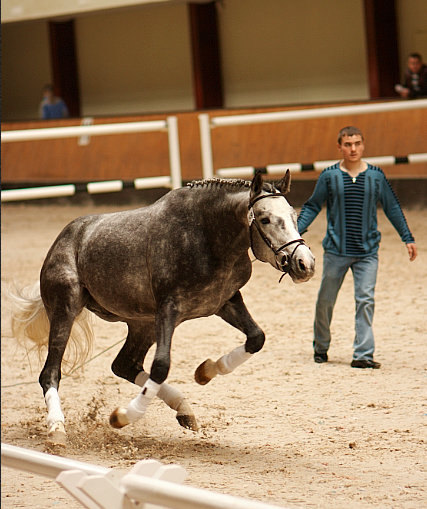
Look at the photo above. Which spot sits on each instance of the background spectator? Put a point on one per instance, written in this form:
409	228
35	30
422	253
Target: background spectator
52	106
415	79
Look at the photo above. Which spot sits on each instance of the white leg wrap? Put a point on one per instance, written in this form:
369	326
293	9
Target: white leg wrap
228	363
53	403
171	396
138	405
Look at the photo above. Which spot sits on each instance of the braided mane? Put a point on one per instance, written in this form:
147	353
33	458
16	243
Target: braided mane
218	183
229	184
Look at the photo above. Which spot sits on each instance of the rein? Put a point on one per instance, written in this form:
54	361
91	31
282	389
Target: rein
284	264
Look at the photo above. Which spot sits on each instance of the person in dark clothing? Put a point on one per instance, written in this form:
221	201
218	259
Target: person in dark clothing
351	189
415	80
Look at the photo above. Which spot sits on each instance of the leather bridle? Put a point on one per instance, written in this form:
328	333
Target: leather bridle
284	263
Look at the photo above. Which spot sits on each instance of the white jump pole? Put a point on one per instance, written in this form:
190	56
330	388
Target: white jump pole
38	193
417	158
151	182
44	464
176	496
146	484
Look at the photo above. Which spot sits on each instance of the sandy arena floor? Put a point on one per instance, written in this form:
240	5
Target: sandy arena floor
281	428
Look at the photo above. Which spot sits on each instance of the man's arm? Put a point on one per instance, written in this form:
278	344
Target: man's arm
313	205
395	215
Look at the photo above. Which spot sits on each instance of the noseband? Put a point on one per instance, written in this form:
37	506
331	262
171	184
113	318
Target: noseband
284	264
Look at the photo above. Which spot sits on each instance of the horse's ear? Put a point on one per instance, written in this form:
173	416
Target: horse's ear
256	186
284	184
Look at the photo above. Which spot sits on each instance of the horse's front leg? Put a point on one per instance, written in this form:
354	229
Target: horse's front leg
236	314
165	325
129	364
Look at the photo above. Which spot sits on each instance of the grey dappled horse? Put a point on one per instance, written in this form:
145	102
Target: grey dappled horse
183	257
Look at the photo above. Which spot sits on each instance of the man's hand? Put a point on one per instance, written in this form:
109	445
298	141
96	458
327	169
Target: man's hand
402	91
412	251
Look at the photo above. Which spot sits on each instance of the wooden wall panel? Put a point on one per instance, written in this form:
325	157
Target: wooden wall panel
143	155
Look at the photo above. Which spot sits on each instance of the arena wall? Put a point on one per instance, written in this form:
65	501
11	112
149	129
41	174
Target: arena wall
131	156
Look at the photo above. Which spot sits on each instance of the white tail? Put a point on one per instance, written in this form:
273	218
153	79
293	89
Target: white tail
30	323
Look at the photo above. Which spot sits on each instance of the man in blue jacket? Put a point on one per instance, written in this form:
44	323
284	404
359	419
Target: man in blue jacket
351	189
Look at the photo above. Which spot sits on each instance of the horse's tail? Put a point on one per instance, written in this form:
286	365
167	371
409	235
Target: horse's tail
30	324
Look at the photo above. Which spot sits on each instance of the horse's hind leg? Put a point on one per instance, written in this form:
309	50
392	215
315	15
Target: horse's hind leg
129	365
236	314
62	306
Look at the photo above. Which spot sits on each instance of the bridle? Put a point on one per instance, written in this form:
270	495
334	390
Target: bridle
284	263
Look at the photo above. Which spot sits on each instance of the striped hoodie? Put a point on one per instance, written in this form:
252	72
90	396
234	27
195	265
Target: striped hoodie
352	226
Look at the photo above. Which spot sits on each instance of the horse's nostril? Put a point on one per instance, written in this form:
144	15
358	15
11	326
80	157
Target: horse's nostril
301	265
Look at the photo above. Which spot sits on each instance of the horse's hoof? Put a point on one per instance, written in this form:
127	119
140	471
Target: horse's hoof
56	434
118	418
187	421
205	372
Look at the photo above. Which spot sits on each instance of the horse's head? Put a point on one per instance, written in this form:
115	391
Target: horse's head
273	229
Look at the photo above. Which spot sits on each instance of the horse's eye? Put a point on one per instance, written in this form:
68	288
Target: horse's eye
265	220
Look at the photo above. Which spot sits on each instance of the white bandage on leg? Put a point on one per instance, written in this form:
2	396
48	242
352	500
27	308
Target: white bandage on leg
53	404
171	396
228	363
138	405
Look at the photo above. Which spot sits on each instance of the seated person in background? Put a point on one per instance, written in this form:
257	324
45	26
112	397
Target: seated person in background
415	79
52	106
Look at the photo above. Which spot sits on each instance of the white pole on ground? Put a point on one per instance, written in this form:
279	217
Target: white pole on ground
176	496
44	464
38	193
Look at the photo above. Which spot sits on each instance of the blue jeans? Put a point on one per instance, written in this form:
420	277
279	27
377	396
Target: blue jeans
365	275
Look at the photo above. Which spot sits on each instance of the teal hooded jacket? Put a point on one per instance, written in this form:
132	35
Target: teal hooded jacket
330	189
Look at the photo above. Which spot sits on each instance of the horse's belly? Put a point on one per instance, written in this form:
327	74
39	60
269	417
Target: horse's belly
124	299
208	300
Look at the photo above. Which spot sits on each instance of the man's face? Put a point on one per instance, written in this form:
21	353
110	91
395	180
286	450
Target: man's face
414	64
351	148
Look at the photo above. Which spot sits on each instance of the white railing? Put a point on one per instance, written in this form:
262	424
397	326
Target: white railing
280	169
207	123
170	125
148	482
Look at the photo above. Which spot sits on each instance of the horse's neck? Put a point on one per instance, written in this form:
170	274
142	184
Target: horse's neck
227	206
239	204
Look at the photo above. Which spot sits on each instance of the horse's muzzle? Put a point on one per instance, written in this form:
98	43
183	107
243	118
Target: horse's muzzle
299	265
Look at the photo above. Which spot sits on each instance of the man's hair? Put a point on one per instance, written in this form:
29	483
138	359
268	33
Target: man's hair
349	131
415	55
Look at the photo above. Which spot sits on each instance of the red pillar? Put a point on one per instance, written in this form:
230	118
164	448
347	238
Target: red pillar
382	47
207	75
64	64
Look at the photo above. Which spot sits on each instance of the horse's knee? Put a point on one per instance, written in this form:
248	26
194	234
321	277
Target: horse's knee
255	342
122	370
159	370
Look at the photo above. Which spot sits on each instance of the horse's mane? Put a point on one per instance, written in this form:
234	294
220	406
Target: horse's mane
228	184
218	183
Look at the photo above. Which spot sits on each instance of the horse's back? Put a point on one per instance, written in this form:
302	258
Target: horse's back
129	261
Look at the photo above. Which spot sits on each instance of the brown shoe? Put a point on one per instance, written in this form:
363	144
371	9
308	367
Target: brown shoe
365	363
